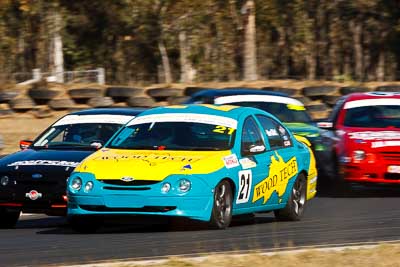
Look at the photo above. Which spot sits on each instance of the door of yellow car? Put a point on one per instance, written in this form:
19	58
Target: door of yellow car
254	161
283	163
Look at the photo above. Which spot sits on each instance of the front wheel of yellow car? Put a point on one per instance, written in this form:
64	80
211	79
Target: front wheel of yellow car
221	214
296	203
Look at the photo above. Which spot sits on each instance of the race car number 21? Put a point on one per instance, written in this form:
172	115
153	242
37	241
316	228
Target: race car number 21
245	179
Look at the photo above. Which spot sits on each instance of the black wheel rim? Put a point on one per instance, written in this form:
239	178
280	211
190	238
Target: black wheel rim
299	196
223	205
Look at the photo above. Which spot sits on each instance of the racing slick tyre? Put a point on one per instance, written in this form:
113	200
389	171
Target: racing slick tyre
316	106
353	89
176	100
7	95
43	94
296	203
101	102
22	104
61	104
221	214
84	224
330	100
303	99
161	94
140	102
85	93
288	91
188	91
123	92
318	90
8	218
388	88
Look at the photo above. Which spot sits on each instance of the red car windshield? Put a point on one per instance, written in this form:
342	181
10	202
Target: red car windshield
373	117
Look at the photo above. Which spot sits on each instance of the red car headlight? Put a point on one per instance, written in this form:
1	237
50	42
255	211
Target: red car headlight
358	155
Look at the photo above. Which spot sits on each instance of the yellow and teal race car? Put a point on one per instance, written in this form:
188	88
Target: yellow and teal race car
203	162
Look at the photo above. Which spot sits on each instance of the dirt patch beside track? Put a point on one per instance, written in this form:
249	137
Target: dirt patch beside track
22	126
382	255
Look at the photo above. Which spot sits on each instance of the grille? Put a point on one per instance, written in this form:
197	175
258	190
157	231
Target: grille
131	183
144	209
392	176
126	188
391	156
37	182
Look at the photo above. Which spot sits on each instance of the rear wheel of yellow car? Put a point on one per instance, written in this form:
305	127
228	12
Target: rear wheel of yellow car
221	214
296	203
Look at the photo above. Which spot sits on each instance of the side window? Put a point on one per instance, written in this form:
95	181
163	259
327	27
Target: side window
336	109
277	135
251	135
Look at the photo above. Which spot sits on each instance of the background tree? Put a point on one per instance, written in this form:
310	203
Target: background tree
203	40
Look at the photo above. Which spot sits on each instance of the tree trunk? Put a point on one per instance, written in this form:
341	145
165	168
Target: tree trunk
380	69
356	28
334	55
283	52
250	54
165	62
58	46
187	71
311	57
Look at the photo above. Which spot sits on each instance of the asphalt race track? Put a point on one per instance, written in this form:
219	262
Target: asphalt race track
363	215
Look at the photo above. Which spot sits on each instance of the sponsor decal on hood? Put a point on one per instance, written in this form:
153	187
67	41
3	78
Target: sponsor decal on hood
374	135
44	163
151	164
377	144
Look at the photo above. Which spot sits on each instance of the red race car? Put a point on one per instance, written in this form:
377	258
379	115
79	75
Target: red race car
363	133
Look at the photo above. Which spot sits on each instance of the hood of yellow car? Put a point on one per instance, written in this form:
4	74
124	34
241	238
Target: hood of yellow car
152	165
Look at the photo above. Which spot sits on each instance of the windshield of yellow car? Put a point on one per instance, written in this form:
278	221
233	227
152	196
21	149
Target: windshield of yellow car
175	136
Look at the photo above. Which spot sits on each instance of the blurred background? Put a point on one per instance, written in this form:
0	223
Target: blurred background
58	56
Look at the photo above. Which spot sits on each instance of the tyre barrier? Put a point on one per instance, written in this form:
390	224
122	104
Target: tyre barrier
85	93
61	104
141	102
120	92
317	99
319	90
41	112
353	89
7	95
101	102
330	100
288	91
161	94
176	100
188	91
388	88
316	107
22	104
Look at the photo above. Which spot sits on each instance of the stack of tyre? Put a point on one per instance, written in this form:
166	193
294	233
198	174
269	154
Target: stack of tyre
41	99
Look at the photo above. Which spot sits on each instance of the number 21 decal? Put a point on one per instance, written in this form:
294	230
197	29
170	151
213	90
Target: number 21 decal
245	179
223	130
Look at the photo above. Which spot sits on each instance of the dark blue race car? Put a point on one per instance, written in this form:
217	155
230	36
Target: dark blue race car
34	179
288	109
